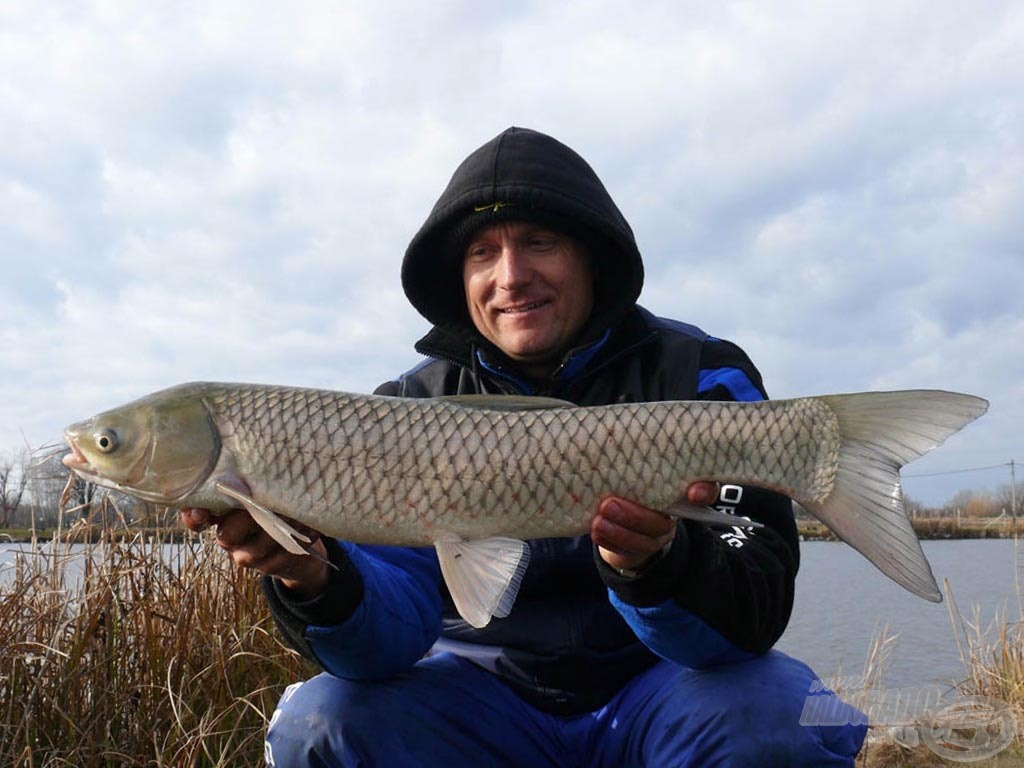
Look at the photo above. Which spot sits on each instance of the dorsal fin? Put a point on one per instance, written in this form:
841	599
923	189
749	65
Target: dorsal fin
507	402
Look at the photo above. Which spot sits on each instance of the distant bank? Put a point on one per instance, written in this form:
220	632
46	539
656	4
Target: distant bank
91	534
1003	527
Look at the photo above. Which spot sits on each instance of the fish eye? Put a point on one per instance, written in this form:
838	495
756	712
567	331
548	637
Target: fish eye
106	440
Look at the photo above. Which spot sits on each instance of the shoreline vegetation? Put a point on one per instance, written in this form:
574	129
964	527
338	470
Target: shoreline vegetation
129	652
928	528
809	529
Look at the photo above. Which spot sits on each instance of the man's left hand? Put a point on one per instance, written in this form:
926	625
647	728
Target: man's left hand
630	536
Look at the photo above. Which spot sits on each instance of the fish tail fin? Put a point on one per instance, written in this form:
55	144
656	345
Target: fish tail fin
880	432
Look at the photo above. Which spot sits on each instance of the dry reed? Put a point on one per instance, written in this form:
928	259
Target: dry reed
993	656
132	653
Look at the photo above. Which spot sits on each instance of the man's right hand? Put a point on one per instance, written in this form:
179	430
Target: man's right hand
629	535
250	547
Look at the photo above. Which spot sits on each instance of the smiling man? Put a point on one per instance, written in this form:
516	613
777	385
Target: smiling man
646	643
529	291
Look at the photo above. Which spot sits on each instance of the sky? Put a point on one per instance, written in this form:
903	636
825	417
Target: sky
225	190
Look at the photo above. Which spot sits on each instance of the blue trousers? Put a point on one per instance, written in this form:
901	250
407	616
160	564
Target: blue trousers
447	712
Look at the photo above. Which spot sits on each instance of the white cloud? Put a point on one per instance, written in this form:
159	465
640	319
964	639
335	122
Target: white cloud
216	191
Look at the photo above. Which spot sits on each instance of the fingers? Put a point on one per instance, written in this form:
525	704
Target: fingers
702	494
628	535
251	547
238	532
632	523
197	520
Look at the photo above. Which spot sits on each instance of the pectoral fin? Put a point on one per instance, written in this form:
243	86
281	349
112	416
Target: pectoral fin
709	515
483	576
269	521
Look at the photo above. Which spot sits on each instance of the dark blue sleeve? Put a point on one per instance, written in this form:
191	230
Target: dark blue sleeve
395	623
678	635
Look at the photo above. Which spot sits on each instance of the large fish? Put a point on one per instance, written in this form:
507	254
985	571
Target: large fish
476	475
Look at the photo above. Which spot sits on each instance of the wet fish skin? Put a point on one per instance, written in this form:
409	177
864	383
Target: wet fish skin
422	466
454	472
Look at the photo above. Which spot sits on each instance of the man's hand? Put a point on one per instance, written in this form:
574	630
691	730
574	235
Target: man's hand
251	547
629	536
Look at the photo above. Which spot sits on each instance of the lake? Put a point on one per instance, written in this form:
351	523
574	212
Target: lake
841	600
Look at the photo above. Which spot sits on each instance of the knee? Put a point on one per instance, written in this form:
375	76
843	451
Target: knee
764	719
751	714
310	723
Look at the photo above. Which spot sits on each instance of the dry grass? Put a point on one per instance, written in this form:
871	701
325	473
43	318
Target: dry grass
132	657
994	658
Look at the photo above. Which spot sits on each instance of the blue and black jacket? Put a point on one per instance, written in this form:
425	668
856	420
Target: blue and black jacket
579	630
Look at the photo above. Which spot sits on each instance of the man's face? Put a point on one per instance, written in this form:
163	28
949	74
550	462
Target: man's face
529	291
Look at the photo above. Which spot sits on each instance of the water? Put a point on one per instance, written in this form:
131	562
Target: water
841	600
71	558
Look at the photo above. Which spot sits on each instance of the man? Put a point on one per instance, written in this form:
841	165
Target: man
647	642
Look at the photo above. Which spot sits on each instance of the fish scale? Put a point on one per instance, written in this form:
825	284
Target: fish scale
415	454
476	475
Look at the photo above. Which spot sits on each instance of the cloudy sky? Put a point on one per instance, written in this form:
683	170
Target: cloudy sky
224	190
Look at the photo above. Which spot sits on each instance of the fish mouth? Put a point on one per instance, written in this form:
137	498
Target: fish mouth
76	459
79	464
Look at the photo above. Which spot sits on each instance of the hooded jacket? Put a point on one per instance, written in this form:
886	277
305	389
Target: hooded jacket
579	630
521	174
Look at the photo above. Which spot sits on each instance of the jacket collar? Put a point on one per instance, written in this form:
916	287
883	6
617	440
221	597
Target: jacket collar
469	350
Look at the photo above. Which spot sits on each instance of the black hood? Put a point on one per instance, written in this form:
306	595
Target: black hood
522	174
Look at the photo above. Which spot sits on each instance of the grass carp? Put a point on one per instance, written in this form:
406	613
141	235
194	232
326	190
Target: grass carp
475	475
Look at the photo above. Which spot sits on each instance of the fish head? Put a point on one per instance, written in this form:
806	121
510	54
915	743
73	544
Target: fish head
159	448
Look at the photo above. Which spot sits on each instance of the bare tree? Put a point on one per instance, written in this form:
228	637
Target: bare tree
914	507
47	478
54	491
13	482
1006	499
974	503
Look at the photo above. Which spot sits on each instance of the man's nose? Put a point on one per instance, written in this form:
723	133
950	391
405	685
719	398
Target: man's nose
513	268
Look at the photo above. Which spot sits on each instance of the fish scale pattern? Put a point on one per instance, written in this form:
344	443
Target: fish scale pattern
387	470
